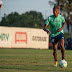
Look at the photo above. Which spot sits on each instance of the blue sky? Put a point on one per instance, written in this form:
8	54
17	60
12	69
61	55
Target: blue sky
21	6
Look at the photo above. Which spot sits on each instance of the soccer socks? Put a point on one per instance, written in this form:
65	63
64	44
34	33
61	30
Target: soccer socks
62	54
62	57
55	59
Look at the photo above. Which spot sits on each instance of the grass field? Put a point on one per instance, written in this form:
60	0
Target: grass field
32	60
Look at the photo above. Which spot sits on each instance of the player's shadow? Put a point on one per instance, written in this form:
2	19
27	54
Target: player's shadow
31	68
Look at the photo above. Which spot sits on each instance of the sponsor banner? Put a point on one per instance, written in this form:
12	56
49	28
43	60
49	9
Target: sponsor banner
5	37
39	39
23	38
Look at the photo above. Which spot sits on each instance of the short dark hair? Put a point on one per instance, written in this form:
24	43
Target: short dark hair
55	7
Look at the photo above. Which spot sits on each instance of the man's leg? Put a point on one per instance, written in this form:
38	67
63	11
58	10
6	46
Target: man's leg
55	53
62	48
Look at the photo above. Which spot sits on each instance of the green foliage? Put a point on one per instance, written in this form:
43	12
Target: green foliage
31	19
10	20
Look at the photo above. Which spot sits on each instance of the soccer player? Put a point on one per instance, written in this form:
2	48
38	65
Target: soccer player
57	23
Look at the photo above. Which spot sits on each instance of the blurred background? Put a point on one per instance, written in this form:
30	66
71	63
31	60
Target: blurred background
33	13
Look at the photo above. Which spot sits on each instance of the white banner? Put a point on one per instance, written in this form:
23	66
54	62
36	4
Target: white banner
5	37
23	38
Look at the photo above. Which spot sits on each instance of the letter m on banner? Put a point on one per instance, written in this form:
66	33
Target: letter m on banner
21	37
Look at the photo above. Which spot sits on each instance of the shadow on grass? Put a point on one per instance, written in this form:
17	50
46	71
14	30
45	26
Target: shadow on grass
32	68
37	68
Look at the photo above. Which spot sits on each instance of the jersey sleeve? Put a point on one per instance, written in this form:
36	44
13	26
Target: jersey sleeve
63	19
47	21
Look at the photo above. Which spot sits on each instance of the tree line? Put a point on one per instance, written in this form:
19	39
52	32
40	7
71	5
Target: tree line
30	19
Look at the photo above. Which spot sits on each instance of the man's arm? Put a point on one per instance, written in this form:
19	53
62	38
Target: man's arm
48	32
61	27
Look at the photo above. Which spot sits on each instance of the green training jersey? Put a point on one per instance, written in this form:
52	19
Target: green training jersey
55	24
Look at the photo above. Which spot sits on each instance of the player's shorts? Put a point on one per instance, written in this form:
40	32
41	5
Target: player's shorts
57	38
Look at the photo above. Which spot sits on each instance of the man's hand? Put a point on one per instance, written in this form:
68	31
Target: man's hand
59	30
61	27
49	32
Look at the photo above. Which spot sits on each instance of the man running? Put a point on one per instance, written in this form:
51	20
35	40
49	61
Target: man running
57	23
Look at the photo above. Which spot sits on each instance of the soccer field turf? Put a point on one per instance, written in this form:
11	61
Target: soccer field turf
32	60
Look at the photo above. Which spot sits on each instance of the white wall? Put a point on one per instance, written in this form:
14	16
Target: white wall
12	37
5	37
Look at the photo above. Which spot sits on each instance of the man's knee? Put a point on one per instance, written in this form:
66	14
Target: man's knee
62	45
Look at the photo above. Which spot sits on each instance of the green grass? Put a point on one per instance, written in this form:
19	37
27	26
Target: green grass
32	60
